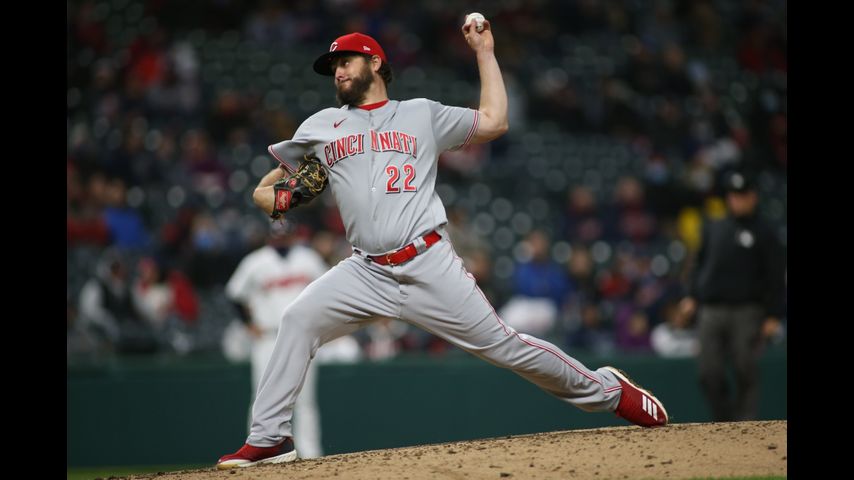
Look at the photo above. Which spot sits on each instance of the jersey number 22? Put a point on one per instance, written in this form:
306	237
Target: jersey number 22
394	175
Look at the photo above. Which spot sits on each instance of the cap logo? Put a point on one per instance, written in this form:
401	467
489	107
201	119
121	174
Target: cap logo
366	48
333	47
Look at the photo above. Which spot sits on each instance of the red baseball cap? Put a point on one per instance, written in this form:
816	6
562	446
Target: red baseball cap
350	43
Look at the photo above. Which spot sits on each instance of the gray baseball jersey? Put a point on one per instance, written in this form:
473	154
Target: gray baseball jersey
382	168
382	165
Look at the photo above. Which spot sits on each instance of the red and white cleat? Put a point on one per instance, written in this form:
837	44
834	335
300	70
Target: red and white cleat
637	405
249	455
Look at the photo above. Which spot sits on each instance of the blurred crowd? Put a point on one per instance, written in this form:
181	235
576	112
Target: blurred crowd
579	224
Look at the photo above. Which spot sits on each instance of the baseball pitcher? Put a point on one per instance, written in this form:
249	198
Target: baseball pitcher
379	158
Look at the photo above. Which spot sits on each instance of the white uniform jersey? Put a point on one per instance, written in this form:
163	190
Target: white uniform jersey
268	282
382	165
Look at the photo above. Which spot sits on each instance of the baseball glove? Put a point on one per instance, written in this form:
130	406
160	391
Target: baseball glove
300	188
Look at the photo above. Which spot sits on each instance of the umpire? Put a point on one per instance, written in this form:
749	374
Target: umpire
738	284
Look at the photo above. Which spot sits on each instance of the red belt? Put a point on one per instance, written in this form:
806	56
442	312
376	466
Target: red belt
408	252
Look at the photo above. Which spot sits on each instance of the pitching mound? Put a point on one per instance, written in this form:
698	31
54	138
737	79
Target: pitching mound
685	450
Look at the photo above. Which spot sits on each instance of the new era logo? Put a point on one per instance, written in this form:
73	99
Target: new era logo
650	407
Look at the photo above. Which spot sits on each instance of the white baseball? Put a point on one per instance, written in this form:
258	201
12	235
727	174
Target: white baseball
478	19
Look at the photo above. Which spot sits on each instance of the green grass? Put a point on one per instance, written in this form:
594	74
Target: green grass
107	472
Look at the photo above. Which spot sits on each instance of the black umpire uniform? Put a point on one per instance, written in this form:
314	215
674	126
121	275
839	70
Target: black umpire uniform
738	283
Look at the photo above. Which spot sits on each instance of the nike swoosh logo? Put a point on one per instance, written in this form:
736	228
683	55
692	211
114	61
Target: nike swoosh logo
335	125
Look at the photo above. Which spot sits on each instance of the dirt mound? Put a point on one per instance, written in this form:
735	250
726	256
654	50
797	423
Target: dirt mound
685	450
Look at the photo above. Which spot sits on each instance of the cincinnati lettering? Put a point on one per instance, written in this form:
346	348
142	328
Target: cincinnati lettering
349	145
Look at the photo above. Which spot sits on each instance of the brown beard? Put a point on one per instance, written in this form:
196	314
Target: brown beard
359	86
